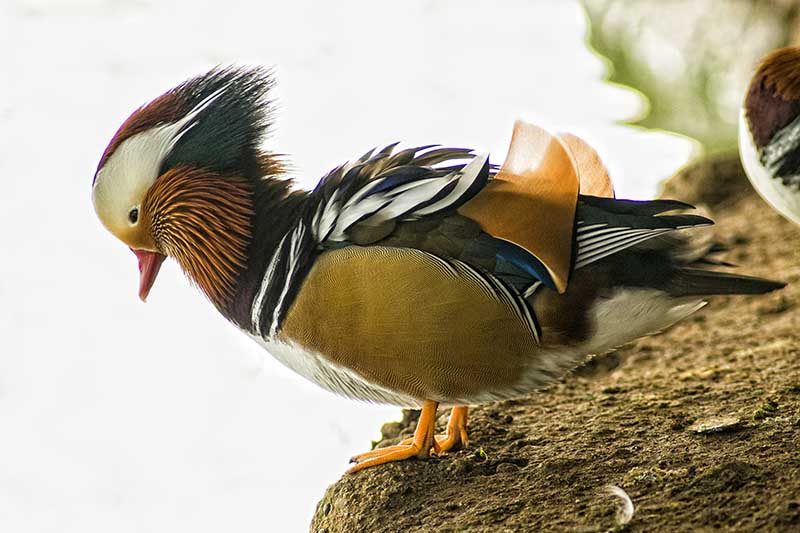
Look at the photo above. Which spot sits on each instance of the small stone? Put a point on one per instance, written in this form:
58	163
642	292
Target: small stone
716	424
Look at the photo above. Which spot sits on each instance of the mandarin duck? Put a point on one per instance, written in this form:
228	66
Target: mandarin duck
418	277
769	131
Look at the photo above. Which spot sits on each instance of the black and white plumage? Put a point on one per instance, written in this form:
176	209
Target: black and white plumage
393	280
362	202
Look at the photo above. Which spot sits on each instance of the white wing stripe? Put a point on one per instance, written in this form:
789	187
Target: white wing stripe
607	240
349	216
582	227
466	178
406	201
584	259
591	234
363	192
332	221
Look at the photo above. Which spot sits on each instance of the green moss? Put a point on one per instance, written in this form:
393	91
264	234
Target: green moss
766	410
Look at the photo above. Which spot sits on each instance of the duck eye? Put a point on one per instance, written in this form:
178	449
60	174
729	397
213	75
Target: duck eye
133	216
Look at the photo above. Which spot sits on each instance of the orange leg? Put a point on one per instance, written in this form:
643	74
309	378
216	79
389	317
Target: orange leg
420	446
456	431
456	436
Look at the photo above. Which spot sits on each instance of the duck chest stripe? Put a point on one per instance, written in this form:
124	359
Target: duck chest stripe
269	274
291	270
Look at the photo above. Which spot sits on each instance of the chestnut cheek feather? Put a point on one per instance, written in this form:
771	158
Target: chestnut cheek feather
203	220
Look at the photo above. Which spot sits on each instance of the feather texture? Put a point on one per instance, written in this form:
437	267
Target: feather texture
394	187
531	202
406	274
608	226
204	221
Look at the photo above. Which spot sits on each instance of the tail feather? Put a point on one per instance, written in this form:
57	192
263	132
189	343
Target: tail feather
697	282
607	226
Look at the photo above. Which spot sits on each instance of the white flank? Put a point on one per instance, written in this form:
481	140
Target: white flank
332	377
785	200
624	316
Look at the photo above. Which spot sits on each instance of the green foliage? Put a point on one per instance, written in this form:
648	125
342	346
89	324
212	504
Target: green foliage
690	60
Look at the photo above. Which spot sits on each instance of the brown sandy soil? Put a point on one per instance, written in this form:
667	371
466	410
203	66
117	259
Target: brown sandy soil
631	419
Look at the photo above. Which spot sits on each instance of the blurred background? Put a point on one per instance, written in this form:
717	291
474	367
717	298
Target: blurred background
119	416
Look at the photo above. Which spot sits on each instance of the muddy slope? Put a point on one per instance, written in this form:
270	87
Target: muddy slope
699	425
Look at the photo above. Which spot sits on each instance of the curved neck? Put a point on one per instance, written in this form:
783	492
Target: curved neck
277	210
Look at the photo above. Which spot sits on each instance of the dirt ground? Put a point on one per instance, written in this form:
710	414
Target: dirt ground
699	425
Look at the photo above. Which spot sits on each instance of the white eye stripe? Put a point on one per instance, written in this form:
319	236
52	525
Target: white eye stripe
135	164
